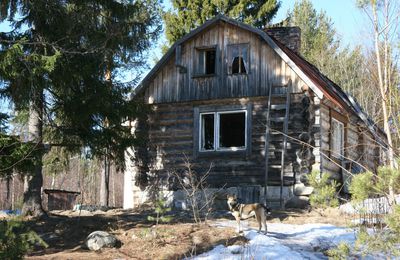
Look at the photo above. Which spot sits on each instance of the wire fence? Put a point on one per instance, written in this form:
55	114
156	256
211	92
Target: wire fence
372	212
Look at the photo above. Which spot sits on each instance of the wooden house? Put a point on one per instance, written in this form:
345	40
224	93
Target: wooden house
244	101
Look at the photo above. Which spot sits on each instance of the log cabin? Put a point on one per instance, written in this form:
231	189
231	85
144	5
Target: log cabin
242	105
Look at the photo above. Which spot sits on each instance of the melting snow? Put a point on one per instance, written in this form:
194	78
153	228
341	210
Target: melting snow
284	241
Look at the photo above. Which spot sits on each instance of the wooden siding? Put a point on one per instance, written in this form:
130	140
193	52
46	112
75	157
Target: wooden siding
171	139
360	146
174	84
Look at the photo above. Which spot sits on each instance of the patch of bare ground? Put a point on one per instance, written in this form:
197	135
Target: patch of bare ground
65	232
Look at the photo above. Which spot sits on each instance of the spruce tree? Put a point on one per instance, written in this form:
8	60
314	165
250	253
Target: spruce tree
187	15
54	62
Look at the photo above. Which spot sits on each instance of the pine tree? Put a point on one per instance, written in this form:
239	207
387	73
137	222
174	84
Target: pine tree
54	63
319	43
187	15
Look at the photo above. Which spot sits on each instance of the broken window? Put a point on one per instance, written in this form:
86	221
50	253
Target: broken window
337	138
206	61
223	131
238	65
238	58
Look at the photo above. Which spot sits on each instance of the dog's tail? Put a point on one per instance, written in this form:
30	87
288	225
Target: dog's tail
267	209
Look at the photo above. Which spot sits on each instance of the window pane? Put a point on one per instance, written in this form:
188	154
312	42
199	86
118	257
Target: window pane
337	136
232	130
207	132
210	61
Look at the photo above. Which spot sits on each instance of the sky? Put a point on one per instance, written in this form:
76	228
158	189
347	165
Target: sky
348	20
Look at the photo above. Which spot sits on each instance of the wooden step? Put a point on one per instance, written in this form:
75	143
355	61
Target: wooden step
278	119
278	106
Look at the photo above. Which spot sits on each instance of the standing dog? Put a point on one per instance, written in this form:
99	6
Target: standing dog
244	211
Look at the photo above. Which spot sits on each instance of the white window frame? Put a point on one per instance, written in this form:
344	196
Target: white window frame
217	128
337	154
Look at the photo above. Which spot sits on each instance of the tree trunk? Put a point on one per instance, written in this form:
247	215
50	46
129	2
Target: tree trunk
105	176
384	87
104	185
383	84
32	205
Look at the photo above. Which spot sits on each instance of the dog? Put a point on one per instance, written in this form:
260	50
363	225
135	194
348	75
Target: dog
245	211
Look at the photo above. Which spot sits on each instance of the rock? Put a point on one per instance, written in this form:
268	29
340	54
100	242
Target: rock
299	202
301	190
99	239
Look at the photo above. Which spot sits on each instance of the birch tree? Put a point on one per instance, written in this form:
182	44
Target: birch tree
384	18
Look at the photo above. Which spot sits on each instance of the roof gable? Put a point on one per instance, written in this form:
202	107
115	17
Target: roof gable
264	36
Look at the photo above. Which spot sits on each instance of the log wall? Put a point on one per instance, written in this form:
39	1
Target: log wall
171	142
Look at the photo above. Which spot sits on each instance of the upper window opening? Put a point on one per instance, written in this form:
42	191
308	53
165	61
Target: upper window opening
238	65
206	61
209	62
238	58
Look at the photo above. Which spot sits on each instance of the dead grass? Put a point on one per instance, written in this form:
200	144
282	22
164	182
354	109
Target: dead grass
141	240
324	216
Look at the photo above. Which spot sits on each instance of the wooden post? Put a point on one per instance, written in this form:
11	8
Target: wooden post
285	132
267	124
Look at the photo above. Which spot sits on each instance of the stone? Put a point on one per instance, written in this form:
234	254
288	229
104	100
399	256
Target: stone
301	190
99	239
299	202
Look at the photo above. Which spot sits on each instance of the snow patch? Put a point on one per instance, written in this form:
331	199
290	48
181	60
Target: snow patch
284	241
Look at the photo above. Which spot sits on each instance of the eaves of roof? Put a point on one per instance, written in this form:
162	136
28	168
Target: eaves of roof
332	91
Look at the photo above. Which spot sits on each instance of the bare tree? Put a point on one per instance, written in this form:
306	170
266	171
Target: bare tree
200	198
384	16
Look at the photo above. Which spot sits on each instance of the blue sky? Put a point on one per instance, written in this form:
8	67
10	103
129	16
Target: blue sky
346	17
348	20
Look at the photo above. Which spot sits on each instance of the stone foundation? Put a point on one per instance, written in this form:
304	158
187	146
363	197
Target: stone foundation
247	194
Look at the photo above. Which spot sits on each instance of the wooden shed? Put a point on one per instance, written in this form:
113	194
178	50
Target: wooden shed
60	199
245	101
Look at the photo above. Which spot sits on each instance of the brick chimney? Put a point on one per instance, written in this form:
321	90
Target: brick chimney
288	36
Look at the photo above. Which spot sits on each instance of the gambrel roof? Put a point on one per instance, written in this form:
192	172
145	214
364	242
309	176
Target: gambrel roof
321	85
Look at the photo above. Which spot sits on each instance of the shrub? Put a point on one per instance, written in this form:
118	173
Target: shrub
366	185
160	210
324	194
16	239
342	251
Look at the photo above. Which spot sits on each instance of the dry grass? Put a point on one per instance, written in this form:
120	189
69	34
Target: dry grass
141	240
324	216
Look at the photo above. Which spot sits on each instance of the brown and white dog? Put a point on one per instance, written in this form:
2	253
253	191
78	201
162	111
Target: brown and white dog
245	211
